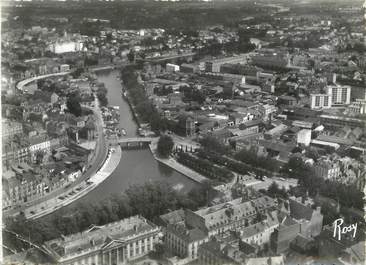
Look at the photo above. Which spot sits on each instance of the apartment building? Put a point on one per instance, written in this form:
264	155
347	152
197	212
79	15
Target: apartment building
320	101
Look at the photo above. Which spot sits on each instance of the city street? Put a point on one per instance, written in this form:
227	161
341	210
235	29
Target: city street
101	151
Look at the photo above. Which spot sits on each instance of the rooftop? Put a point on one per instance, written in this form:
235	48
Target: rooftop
99	236
224	212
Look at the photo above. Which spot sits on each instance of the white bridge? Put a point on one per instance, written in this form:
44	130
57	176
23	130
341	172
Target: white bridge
123	140
132	142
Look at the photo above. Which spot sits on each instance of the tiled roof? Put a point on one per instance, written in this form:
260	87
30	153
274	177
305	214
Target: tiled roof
173	217
187	234
218	249
358	250
270	221
299	210
237	209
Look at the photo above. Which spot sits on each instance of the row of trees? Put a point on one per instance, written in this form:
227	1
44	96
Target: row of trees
143	106
212	144
149	200
251	158
232	164
235	166
102	95
205	167
165	146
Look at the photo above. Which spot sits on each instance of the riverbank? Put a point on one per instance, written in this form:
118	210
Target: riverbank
172	163
109	165
132	107
136	167
98	158
25	82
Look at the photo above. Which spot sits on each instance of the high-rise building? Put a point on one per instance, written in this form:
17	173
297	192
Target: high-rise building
320	101
341	95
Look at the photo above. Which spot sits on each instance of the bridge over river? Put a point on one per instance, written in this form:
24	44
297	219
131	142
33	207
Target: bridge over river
134	142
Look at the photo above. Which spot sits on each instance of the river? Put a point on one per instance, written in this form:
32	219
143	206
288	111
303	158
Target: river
136	166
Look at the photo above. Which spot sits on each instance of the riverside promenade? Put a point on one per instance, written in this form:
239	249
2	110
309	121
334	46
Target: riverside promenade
172	163
47	207
25	82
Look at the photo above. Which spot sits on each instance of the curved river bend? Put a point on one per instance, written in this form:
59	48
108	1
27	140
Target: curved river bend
136	166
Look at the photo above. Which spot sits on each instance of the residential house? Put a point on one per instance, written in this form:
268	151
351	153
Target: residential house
299	218
23	186
216	252
10	128
14	153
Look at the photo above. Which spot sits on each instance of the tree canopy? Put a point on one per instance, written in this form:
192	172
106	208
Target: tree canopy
73	104
165	145
149	200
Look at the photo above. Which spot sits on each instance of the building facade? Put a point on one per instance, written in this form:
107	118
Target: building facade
341	95
304	137
358	107
215	65
320	101
114	243
337	121
185	235
327	169
10	128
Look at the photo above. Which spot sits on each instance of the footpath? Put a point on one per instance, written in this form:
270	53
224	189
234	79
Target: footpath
45	208
172	163
25	82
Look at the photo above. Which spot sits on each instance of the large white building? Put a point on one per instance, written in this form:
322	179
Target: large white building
172	68
111	244
341	95
320	101
358	107
66	46
304	137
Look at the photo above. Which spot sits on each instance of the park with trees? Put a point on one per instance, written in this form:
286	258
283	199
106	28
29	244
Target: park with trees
205	167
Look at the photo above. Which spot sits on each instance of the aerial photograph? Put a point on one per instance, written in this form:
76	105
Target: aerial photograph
183	132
